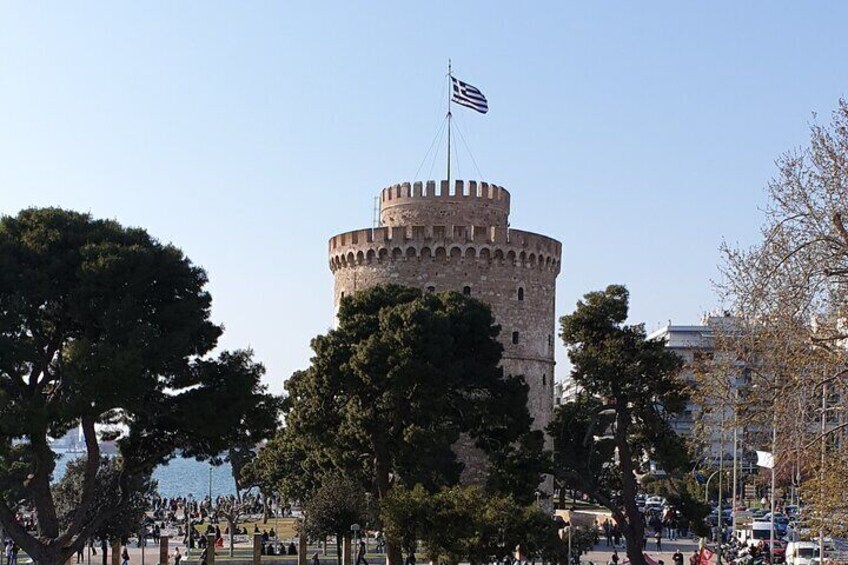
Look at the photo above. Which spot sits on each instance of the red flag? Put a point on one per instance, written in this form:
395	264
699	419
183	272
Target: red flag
706	556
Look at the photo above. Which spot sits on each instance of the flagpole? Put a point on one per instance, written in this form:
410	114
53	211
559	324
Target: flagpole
450	76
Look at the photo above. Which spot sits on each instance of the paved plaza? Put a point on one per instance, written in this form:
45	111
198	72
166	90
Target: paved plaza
599	555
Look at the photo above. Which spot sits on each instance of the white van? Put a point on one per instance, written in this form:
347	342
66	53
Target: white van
754	533
801	552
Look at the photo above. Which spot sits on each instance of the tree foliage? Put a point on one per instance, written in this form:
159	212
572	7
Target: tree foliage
333	508
631	388
107	496
459	524
790	293
391	390
101	324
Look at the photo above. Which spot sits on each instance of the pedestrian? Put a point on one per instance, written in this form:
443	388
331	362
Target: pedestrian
125	556
14	559
658	537
616	535
360	554
608	532
80	554
177	556
613	559
677	558
315	559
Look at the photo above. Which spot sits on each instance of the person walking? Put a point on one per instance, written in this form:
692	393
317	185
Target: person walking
14	559
177	556
677	558
658	537
360	553
125	556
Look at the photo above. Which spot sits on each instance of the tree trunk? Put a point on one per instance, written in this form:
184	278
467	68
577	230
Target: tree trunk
47	557
339	549
393	552
633	530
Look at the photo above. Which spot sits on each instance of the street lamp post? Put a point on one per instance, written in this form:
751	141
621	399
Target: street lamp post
189	528
707	487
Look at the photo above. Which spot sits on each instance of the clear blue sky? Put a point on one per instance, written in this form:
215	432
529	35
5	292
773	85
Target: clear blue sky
247	133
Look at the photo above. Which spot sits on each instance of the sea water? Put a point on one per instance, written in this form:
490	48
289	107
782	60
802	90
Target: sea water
180	477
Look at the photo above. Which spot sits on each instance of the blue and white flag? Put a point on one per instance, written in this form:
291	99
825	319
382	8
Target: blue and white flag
470	96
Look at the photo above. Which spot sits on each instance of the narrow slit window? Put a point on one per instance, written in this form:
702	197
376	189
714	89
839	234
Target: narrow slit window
521	293
514	338
544	379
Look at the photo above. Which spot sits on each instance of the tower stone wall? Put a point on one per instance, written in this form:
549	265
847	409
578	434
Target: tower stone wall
436	239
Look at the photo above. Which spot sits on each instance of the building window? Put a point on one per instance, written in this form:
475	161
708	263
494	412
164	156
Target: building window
514	338
342	294
466	290
544	379
521	293
431	289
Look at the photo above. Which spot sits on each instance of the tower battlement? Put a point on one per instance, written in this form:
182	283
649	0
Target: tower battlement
422	203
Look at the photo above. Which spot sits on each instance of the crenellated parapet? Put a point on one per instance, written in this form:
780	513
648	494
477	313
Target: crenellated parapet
503	247
429	203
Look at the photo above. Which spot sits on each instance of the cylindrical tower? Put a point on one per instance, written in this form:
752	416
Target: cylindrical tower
441	240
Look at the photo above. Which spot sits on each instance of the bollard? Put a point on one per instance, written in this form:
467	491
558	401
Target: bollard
164	557
257	549
210	549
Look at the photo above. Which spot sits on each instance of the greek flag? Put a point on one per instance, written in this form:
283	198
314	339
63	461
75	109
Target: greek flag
467	95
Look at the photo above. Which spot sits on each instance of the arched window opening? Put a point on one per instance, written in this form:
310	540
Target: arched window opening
466	290
431	289
514	338
521	293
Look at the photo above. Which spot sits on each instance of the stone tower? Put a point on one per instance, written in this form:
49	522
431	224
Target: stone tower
436	240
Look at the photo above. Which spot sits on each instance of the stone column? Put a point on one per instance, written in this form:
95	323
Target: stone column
257	548
164	558
210	549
